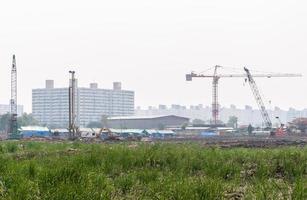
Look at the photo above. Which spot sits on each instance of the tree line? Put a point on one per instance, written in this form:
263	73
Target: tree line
24	120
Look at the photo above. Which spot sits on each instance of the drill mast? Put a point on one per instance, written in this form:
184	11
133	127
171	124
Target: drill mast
13	102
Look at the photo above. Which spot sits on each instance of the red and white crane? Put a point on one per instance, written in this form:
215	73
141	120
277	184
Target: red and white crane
217	76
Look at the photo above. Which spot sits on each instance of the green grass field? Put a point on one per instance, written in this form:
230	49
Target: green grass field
37	170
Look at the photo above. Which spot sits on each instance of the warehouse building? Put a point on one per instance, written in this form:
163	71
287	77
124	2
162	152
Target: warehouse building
50	105
147	122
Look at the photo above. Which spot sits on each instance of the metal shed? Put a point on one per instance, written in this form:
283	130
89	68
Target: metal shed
34	131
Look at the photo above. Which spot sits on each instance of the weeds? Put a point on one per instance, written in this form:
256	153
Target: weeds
146	171
11	147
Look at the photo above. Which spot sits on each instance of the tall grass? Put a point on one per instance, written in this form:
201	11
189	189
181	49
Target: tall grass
34	170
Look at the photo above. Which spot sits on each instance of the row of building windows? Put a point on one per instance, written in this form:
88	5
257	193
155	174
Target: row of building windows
50	106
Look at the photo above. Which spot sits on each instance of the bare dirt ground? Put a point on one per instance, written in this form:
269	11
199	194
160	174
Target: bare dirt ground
245	141
216	141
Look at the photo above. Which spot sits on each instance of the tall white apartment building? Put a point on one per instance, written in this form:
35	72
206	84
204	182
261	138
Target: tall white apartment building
50	105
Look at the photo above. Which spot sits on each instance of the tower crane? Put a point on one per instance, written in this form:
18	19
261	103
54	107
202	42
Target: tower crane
216	77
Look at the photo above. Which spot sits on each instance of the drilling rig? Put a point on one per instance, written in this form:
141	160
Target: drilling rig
71	104
217	76
13	102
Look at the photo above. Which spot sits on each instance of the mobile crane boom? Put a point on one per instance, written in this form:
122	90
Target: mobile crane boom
255	90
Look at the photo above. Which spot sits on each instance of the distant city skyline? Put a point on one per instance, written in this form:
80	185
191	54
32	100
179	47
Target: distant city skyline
179	106
246	115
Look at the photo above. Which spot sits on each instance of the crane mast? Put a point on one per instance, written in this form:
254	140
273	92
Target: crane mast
255	90
215	103
13	102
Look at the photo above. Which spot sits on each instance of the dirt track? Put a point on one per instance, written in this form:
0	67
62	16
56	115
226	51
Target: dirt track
216	141
246	141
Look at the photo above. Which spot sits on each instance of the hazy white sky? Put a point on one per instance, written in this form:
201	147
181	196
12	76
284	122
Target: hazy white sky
151	45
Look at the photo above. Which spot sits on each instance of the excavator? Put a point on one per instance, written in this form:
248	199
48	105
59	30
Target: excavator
280	131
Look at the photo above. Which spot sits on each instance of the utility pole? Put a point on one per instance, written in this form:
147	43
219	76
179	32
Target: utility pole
13	101
71	104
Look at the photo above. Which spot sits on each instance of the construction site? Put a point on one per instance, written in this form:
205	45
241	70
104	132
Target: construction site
166	128
153	100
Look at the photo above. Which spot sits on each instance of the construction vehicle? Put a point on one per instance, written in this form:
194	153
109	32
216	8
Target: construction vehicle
216	77
281	130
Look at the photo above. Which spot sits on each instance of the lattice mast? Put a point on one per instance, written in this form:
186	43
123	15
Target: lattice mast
13	102
256	92
215	103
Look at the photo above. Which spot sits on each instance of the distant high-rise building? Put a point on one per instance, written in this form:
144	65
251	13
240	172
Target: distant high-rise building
5	108
175	106
50	105
247	107
49	84
162	107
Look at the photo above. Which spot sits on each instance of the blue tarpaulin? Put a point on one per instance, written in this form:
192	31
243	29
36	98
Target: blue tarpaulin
208	134
26	134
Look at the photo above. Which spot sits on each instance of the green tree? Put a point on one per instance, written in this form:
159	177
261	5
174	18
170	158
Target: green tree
26	120
94	125
5	122
184	125
198	122
233	122
250	129
104	121
161	126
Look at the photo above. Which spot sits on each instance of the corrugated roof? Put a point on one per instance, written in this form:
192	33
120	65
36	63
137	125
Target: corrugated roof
197	128
139	131
60	130
86	130
152	131
225	128
33	128
166	132
144	117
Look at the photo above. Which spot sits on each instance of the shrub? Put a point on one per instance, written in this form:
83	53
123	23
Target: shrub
11	147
